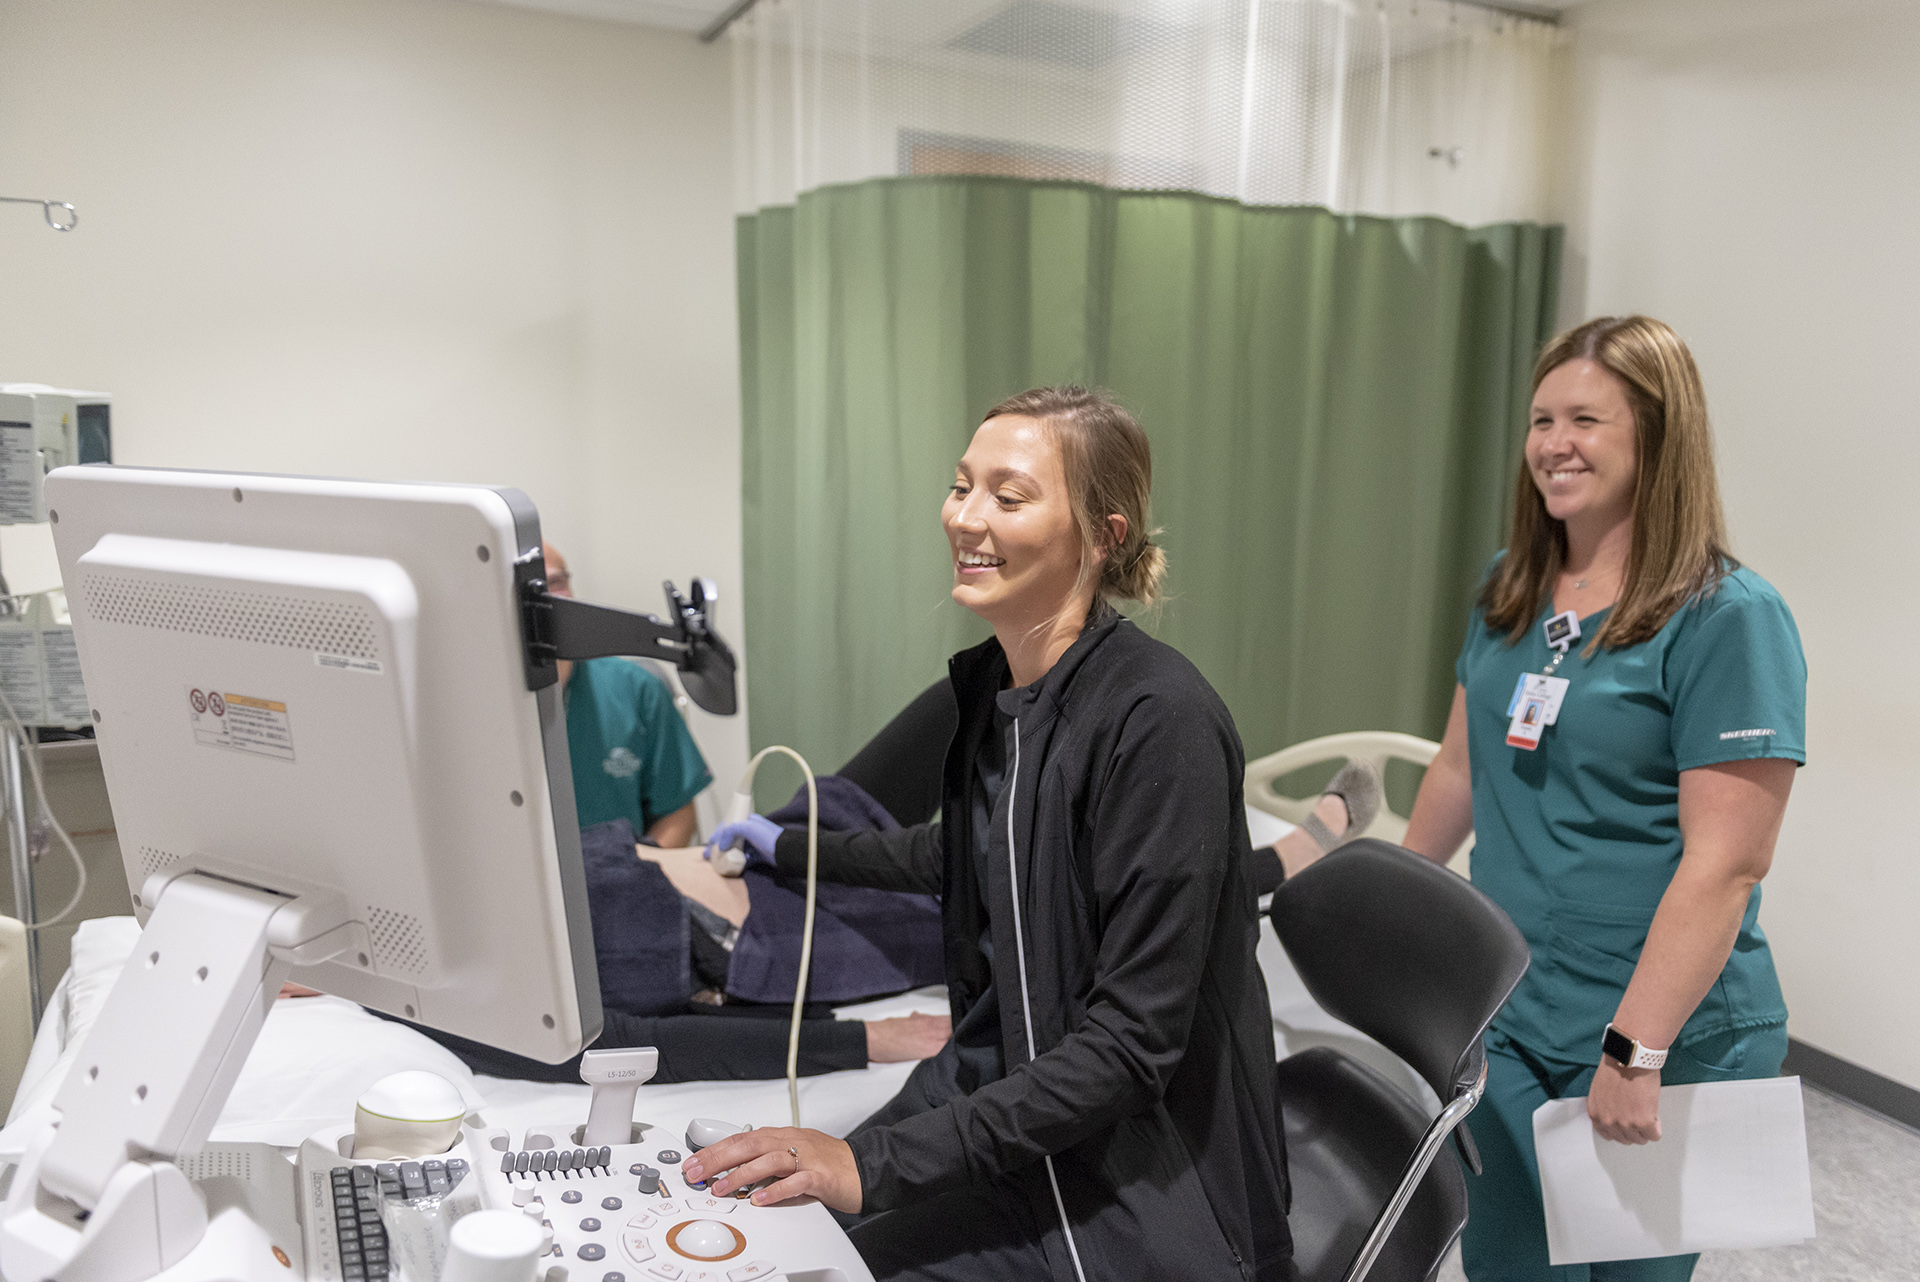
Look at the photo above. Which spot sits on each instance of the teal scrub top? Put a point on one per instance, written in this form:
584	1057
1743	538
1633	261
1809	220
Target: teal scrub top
1578	839
632	756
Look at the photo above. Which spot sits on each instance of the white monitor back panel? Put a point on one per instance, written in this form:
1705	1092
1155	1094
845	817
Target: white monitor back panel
316	685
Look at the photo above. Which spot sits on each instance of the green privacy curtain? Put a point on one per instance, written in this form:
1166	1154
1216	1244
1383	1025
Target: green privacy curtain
1335	404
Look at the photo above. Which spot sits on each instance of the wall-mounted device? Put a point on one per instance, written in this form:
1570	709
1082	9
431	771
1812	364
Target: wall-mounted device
42	428
39	665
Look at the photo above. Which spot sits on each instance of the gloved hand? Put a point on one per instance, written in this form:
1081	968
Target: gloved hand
735	845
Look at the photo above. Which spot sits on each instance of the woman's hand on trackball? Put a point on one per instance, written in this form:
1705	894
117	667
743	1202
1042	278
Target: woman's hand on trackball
825	1167
1624	1103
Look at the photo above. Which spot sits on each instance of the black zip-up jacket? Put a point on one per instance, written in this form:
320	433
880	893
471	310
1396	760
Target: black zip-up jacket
1151	1083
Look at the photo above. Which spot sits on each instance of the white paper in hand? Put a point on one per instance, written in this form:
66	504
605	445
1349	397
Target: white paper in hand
1730	1171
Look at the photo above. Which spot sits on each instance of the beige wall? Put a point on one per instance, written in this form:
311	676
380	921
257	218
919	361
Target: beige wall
1750	178
405	239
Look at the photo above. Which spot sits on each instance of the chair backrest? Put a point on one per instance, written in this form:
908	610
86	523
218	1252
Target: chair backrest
16	1009
1376	747
1403	950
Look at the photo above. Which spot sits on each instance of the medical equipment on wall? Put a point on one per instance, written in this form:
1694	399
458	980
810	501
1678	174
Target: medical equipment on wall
330	723
39	686
41	428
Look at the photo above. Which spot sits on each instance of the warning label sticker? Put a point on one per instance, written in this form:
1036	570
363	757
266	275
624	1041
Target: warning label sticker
241	722
347	663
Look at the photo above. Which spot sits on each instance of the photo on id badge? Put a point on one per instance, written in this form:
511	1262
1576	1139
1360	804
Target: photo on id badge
1524	730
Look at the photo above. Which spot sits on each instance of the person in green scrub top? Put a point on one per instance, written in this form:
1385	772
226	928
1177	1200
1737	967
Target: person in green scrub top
632	756
1626	827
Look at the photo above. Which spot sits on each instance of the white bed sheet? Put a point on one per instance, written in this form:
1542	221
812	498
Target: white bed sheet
316	1055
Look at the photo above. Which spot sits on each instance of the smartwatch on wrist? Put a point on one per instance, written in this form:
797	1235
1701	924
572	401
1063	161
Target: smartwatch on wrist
1617	1046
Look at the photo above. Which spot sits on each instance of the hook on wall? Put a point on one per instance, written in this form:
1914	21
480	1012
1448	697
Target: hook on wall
46	209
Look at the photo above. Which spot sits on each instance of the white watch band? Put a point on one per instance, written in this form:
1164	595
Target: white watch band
1642	1056
1646	1057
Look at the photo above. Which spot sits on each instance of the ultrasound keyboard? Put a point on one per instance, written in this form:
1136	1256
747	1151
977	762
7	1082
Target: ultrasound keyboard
615	1213
359	1233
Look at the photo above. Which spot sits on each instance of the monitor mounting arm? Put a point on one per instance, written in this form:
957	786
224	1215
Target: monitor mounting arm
559	627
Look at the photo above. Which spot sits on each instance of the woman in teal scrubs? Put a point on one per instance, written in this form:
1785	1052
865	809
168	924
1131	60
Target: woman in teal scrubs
1625	787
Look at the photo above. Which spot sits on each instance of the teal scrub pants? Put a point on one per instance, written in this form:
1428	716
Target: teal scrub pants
1506	1236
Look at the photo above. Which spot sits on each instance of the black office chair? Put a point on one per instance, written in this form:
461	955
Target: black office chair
1417	959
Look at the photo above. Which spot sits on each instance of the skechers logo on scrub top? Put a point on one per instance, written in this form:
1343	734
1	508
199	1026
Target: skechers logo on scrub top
622	764
1724	734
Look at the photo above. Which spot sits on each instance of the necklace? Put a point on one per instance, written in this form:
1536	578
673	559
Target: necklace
1578	584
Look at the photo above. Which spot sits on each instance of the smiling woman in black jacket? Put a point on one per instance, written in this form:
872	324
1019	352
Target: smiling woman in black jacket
1105	1109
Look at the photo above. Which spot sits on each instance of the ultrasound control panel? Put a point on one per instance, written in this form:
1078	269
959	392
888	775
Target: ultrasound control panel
611	1213
622	1214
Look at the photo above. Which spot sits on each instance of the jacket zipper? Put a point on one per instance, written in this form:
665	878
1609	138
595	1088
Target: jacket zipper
1026	1003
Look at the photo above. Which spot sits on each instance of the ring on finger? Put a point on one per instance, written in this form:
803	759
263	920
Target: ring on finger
796	1158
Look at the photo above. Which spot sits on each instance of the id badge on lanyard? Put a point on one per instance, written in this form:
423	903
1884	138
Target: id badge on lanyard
1538	695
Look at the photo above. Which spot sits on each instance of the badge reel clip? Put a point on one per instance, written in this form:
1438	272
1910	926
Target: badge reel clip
1538	695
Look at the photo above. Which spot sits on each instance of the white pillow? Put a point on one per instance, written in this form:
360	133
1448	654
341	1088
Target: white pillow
314	1057
99	948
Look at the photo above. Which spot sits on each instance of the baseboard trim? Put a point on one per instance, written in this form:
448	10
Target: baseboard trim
1856	1085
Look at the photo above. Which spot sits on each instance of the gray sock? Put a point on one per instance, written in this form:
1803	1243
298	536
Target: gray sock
1357	784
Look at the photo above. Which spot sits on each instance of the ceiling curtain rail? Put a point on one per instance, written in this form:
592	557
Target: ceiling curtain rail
1514	8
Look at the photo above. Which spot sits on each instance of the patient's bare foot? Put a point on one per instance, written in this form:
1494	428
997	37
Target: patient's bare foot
916	1036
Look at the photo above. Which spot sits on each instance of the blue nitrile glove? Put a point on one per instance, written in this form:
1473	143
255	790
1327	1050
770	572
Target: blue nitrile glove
754	835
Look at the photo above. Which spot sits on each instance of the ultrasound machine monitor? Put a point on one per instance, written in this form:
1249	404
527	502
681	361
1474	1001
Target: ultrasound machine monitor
334	741
318	689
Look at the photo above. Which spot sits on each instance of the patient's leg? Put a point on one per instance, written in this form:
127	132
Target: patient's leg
707	1048
1350	802
1288	856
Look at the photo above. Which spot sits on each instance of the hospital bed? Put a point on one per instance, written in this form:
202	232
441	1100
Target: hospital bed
316	1055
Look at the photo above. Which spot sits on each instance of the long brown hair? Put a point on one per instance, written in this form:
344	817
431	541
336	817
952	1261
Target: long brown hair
1109	470
1679	545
